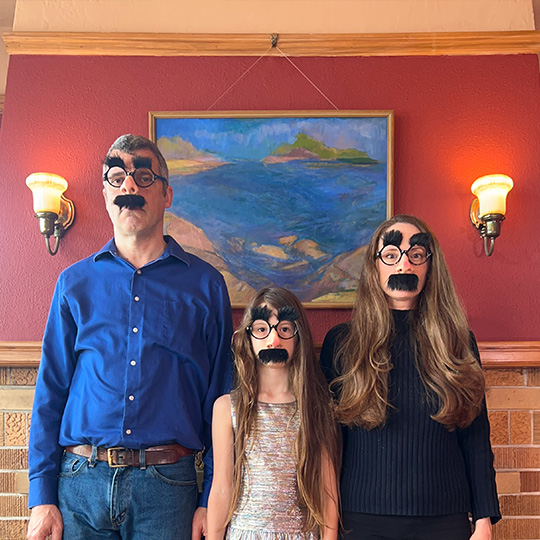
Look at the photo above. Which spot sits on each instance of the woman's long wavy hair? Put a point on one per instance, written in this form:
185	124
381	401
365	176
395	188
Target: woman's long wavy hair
452	376
318	437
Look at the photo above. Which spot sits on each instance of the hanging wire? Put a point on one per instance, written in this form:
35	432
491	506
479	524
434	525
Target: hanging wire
273	40
308	79
241	77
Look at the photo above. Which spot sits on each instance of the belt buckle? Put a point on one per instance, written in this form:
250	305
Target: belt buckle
116	456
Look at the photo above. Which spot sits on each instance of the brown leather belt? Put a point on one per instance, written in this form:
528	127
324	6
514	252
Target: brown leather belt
128	457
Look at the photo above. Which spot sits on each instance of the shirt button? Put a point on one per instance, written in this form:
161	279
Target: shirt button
135	330
136	298
128	431
139	272
133	363
131	398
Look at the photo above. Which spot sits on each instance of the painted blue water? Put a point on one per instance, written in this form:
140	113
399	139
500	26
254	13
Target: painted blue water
246	204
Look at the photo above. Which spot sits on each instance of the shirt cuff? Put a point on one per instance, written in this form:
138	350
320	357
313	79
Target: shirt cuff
203	497
42	491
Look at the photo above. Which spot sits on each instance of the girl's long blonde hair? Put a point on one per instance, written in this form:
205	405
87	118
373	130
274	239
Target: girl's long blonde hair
318	437
451	374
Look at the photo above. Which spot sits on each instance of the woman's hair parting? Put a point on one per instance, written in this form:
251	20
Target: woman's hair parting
446	362
318	438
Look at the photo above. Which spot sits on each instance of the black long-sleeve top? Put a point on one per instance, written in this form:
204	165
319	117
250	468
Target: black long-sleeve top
413	465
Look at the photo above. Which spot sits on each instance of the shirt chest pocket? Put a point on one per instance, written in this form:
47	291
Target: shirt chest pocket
179	327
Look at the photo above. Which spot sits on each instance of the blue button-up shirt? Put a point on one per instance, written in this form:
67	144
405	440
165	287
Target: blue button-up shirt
131	357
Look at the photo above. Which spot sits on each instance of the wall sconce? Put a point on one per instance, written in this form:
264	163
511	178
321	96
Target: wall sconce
488	209
54	211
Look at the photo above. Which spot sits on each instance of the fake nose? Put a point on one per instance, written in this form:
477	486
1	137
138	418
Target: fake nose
273	338
129	187
404	264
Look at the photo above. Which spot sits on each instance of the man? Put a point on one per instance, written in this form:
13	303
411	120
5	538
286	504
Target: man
135	352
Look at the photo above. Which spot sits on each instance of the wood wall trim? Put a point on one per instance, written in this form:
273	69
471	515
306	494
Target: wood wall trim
495	354
502	354
20	353
167	44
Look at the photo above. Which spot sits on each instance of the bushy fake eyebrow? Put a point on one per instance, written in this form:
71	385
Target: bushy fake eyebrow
140	162
287	313
420	239
260	313
114	161
392	238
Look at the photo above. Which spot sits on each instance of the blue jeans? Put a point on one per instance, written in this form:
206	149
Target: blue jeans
100	502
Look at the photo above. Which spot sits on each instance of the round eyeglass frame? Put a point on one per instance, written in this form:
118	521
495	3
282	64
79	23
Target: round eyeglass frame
132	174
401	253
270	328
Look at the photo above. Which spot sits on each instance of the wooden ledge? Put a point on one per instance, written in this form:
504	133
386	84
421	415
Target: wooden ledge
166	44
505	354
495	354
20	353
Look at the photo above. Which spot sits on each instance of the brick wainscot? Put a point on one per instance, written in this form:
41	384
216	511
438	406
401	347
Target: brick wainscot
513	397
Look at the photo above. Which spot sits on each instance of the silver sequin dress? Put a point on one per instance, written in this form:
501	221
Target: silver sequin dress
268	504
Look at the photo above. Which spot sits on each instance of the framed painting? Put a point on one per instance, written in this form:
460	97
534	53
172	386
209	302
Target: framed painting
279	198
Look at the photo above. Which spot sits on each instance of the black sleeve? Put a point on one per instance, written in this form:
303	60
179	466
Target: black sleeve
332	340
474	347
475	445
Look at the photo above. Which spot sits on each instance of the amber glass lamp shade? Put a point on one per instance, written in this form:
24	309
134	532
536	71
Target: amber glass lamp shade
491	191
54	211
489	208
47	189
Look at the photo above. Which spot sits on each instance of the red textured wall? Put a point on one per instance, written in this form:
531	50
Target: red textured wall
456	118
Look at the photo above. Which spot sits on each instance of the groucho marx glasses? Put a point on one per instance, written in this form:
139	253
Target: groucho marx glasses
143	177
391	255
262	329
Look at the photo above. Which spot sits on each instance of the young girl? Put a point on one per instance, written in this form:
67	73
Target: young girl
276	449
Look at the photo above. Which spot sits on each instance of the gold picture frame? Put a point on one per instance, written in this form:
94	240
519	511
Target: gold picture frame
286	198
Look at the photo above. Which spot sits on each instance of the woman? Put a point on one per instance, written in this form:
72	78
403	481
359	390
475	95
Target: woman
409	389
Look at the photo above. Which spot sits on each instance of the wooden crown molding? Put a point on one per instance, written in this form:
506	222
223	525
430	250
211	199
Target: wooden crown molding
495	354
167	44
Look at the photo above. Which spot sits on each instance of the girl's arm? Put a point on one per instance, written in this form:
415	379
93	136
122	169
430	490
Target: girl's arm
222	483
331	509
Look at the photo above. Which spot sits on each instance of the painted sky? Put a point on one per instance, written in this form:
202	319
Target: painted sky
255	138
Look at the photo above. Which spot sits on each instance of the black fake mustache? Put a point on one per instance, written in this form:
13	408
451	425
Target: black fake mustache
403	282
278	356
130	201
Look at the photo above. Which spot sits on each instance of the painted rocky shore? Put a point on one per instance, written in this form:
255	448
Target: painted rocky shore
297	216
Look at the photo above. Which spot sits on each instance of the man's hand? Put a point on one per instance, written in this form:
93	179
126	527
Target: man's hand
45	520
199	524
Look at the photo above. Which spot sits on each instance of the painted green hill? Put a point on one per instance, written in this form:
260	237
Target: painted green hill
323	152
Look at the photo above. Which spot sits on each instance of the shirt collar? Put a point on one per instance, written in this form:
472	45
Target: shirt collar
173	249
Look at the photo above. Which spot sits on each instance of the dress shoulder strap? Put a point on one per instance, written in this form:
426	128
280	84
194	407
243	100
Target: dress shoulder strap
233	411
